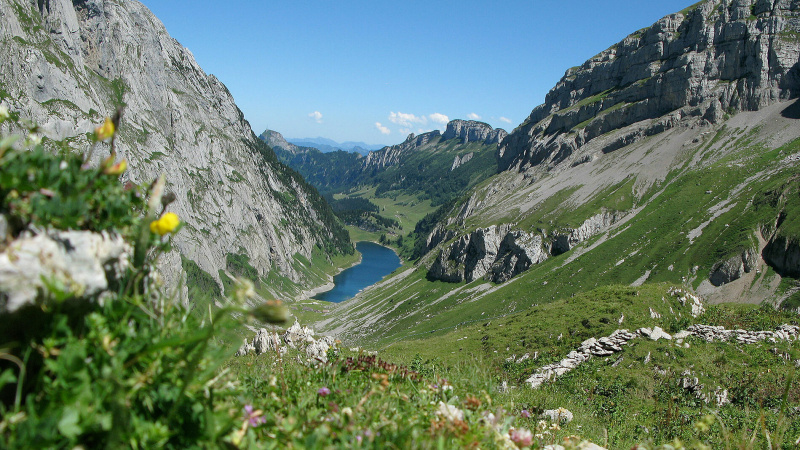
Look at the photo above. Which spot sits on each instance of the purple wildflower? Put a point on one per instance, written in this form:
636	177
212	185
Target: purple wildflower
323	391
254	417
525	413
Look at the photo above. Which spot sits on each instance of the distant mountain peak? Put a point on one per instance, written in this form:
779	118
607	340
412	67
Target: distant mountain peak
473	131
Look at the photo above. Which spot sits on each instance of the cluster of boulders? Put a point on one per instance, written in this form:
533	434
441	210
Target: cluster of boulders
607	346
296	337
685	297
720	334
604	346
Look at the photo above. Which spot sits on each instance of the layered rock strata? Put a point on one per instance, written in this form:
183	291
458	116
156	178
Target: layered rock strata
473	131
696	65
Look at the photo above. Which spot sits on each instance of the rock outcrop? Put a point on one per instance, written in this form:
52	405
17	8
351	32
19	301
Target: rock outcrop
497	251
467	131
565	241
67	64
295	337
734	267
473	131
390	156
501	252
277	141
693	66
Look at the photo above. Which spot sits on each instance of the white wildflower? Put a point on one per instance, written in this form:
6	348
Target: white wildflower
449	412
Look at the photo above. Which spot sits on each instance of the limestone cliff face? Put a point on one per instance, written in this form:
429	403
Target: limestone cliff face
686	73
277	141
466	131
390	156
499	253
67	64
722	56
473	131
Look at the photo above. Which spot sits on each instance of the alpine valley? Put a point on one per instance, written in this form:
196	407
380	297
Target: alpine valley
621	270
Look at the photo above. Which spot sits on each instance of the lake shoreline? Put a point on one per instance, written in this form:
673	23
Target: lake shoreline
310	293
377	261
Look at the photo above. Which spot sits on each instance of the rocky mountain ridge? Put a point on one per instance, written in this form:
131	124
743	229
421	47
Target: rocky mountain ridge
435	164
687	177
466	131
66	65
690	70
697	65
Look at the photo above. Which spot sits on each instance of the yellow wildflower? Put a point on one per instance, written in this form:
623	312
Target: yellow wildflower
166	224
105	131
116	169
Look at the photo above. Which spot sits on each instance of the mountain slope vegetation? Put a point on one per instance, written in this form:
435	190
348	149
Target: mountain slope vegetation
422	173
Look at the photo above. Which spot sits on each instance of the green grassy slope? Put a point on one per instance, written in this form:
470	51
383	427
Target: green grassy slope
676	231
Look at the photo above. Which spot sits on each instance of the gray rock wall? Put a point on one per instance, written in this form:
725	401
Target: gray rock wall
68	64
473	131
501	252
722	56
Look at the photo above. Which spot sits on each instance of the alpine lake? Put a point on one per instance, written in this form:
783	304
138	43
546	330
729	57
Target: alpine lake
377	261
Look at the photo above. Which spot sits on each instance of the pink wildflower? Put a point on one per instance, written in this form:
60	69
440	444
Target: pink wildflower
522	437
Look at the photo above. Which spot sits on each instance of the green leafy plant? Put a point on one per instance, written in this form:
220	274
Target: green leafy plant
135	370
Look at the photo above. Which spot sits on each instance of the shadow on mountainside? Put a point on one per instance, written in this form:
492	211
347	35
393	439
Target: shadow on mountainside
792	111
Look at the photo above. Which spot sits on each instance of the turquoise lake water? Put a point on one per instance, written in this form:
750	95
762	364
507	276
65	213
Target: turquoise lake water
377	261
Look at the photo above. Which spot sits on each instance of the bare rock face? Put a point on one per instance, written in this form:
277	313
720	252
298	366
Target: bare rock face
518	252
733	268
497	252
67	64
783	255
563	242
501	252
390	156
465	130
473	131
734	55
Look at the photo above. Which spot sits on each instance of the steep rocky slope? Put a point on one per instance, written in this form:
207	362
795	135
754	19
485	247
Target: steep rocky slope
670	157
688	72
67	64
697	65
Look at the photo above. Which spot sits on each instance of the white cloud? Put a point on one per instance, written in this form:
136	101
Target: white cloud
473	116
505	119
439	118
317	116
406	131
382	128
406	120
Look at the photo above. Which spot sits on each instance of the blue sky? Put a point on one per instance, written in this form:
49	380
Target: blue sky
373	71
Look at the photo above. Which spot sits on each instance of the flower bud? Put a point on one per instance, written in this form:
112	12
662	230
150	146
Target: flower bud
271	311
